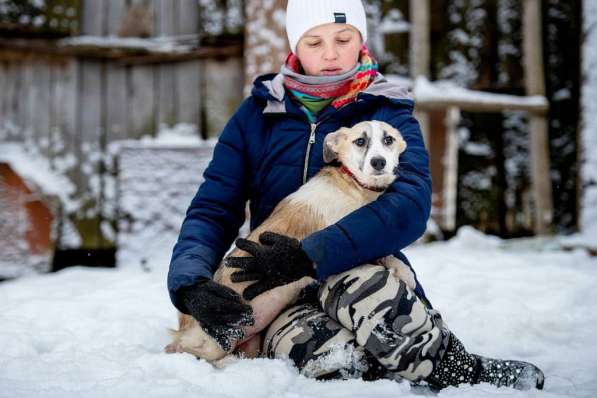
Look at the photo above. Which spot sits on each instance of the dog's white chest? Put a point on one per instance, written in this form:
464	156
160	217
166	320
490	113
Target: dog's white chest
331	202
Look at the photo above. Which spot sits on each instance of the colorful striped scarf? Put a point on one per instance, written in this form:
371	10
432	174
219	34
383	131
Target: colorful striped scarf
336	93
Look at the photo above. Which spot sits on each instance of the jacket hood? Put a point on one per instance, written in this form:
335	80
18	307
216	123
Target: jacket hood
270	88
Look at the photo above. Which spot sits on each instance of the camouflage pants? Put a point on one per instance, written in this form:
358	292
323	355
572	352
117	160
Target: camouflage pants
368	317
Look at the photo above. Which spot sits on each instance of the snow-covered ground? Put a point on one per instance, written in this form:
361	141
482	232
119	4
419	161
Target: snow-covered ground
100	333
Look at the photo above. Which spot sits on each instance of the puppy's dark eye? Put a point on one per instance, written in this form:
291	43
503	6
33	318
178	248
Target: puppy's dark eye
360	142
389	140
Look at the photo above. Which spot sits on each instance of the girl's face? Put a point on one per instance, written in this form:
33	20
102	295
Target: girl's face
330	49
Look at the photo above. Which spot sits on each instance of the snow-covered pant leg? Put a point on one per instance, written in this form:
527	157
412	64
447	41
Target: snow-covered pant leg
387	319
318	345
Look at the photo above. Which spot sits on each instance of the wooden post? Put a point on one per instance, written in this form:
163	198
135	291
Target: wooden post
539	148
420	50
450	162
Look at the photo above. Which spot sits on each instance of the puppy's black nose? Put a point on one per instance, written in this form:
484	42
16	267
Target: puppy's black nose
378	163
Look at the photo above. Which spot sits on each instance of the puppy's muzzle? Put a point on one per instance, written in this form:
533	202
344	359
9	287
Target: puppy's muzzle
378	163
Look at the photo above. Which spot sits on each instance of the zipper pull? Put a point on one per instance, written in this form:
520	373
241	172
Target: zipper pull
312	137
311	142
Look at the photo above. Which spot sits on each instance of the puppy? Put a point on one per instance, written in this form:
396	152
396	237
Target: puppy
369	154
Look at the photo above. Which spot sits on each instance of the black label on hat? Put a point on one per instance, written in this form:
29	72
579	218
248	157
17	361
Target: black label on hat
340	17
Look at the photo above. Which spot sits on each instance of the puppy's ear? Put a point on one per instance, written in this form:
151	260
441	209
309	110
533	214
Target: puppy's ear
401	143
330	146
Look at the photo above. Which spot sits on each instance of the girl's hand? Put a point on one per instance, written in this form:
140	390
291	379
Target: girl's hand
218	309
278	260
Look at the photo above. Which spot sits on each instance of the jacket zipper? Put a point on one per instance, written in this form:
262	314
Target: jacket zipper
311	142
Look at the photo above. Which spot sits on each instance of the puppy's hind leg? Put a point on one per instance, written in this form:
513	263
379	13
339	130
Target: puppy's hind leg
400	270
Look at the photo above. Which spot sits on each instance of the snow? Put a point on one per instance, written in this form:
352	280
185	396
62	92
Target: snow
161	44
588	219
394	22
100	332
181	135
445	91
448	91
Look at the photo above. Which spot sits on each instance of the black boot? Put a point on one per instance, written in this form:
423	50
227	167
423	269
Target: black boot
456	367
459	367
516	374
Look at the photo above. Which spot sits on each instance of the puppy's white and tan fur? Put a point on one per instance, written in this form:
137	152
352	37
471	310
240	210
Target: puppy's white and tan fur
370	151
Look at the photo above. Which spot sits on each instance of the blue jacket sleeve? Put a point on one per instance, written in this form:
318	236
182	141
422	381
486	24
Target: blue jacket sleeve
390	223
215	214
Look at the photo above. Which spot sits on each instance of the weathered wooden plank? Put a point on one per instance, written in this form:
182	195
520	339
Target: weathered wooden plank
17	96
90	102
90	123
188	17
188	92
29	91
166	94
40	111
9	75
228	86
141	101
165	18
90	117
21	96
115	15
4	70
12	92
64	114
63	143
116	102
93	17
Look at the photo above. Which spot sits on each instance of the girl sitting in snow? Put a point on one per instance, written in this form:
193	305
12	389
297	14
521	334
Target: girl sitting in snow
271	145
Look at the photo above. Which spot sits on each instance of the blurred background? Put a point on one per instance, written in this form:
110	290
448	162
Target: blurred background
109	110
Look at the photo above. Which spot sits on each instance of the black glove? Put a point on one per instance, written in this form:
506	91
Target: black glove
218	309
277	261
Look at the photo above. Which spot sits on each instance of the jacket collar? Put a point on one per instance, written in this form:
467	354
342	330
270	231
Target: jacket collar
270	88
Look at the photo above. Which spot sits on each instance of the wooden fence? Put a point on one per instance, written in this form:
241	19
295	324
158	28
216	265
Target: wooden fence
68	101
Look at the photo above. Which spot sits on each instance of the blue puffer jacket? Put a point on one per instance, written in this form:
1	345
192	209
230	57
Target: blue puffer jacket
262	156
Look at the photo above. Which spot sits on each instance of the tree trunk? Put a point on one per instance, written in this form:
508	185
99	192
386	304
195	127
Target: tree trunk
535	85
266	46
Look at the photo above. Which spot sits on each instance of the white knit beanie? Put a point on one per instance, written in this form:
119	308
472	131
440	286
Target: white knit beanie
304	15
